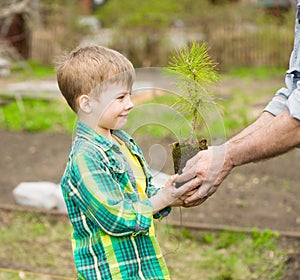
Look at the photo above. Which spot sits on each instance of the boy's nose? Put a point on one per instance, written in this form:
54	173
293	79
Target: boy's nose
129	104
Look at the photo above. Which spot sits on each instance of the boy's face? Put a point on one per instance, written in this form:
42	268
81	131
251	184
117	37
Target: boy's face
112	107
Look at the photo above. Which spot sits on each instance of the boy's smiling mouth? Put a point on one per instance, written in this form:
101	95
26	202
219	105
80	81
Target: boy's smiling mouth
124	115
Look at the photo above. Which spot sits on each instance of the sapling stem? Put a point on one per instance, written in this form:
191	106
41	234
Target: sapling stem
194	71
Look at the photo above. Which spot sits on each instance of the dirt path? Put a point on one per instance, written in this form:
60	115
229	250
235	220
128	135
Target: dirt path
265	194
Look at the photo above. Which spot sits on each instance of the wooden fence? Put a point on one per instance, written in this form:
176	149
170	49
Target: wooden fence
262	47
44	46
228	46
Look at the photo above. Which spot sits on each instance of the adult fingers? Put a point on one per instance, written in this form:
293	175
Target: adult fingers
187	187
186	176
203	192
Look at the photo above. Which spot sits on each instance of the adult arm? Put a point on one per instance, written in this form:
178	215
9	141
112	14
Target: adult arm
266	138
274	138
264	119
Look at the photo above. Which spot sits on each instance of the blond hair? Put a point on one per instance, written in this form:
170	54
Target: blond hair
85	68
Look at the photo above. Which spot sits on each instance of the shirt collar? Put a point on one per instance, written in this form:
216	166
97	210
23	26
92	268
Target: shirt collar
85	131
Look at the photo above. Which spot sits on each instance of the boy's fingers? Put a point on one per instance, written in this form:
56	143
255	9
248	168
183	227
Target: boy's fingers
192	199
191	192
195	203
171	180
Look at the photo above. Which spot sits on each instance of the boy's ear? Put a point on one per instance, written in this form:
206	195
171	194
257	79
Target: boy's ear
84	103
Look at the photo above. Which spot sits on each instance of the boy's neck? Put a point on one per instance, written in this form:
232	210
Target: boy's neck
103	132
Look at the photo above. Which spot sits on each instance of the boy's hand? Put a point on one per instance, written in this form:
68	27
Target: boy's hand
180	200
169	195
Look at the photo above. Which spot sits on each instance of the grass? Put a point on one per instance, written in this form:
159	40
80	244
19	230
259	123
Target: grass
40	244
162	118
262	72
223	255
31	69
36	115
36	243
52	115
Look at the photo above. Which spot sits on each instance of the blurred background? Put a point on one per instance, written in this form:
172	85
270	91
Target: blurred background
249	229
238	32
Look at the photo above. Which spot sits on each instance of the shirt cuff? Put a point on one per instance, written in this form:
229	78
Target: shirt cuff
143	217
293	104
162	213
278	104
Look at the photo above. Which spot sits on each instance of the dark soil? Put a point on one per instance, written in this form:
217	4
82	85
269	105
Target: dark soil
183	151
263	195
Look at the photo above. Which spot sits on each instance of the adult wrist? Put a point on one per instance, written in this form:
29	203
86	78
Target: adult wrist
231	159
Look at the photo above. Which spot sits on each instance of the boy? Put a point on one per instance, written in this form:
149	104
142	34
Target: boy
107	185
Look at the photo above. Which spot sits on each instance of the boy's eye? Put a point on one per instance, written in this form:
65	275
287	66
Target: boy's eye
120	97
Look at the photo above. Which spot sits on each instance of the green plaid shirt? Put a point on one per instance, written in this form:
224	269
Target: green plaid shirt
113	233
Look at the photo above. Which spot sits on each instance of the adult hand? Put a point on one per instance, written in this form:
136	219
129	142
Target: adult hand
194	202
207	170
169	195
181	201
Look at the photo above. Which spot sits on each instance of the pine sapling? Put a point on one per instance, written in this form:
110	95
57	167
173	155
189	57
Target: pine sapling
195	72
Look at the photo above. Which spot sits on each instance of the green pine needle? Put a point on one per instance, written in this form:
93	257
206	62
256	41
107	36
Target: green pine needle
194	63
194	71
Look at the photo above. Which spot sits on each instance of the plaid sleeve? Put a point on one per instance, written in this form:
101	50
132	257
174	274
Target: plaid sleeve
151	189
101	198
154	189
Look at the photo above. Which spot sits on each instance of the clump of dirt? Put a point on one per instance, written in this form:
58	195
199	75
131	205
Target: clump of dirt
183	151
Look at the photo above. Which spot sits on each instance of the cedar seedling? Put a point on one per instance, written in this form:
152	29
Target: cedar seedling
195	72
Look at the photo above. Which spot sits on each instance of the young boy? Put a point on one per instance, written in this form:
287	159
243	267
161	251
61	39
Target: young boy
107	185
